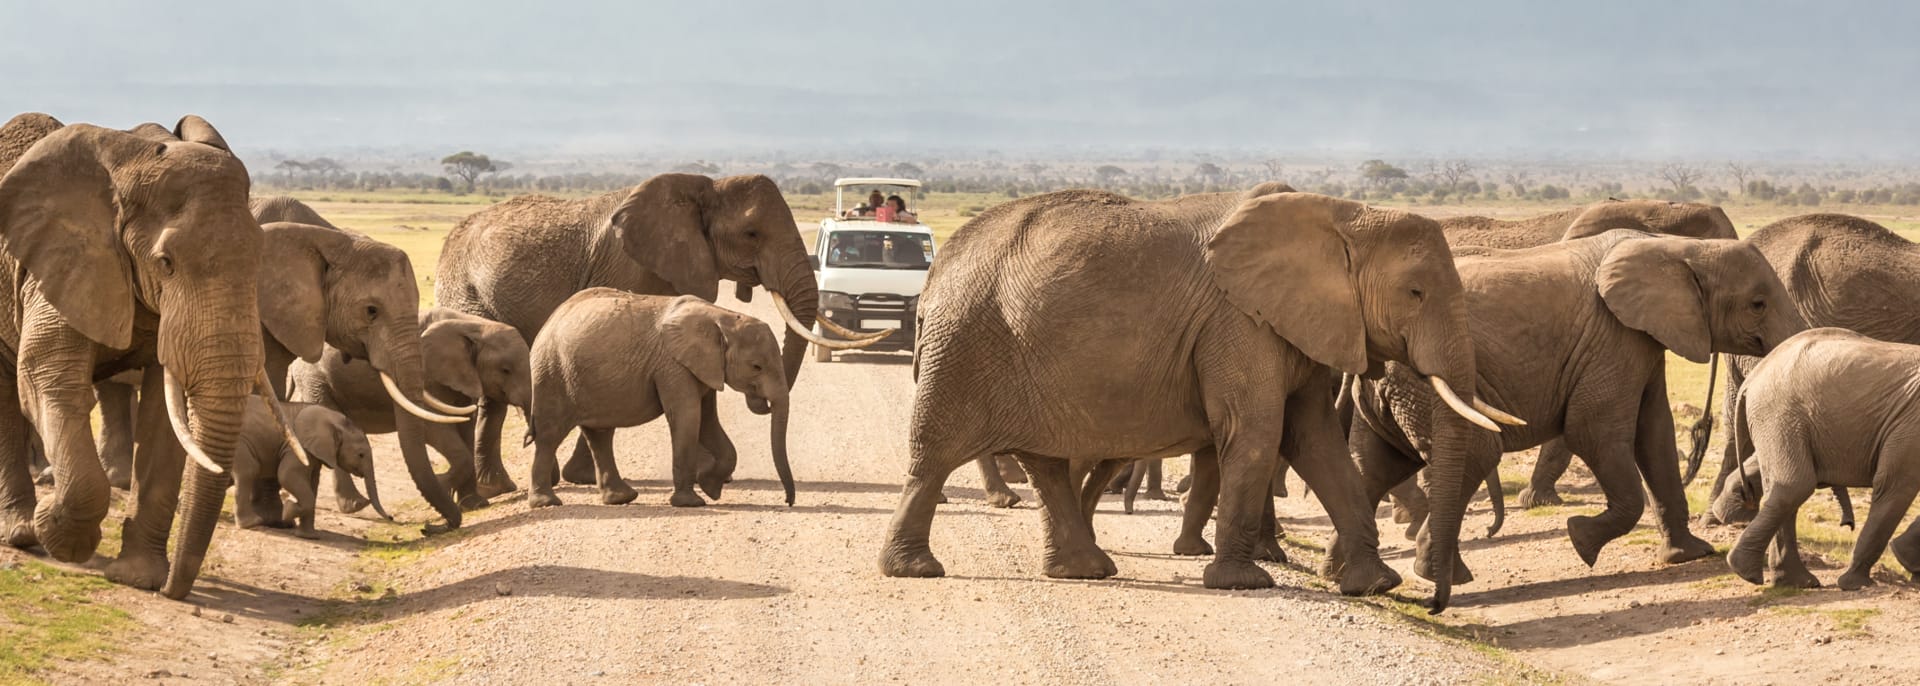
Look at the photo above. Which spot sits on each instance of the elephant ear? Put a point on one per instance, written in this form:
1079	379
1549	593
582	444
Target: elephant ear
693	338
1283	260
1602	217
450	348
60	218
1649	286
193	129
293	284
319	430
663	224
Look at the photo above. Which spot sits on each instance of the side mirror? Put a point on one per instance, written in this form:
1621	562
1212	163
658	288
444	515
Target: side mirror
815	259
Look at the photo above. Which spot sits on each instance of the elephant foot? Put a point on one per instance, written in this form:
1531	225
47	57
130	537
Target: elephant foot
579	470
18	530
916	564
1003	499
1089	564
1855	580
65	538
490	486
1536	497
1269	550
1192	545
1223	574
1156	493
349	503
1401	513
1685	547
617	492
940	499
1368	577
541	497
1423	565
1589	535
143	571
686	499
250	521
1796	577
1413	529
306	533
711	483
472	501
1908	553
1749	564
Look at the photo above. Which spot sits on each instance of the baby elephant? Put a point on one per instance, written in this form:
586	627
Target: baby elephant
263	464
609	359
1827	407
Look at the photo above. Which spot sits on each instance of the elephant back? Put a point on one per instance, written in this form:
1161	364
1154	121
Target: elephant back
1847	272
20	133
1503	234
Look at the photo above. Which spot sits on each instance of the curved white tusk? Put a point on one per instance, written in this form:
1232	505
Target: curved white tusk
280	417
443	407
850	334
1497	414
793	323
1460	406
412	409
177	416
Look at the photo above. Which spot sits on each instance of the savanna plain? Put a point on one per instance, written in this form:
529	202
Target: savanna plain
748	590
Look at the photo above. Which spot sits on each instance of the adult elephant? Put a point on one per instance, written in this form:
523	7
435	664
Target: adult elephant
674	234
1082	325
124	249
1842	271
1573	336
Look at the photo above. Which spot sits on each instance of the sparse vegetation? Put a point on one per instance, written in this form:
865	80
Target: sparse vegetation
48	614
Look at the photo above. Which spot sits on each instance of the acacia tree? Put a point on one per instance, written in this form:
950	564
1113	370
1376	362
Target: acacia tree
467	166
1106	174
1740	173
1377	173
1681	177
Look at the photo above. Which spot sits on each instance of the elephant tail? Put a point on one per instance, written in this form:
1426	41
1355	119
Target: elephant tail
527	440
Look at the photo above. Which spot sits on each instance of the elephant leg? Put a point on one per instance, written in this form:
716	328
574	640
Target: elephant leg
1246	475
1659	462
1410	506
613	488
116	431
1136	477
1090	487
460	478
1267	544
714	438
37	463
579	467
999	494
934	457
1010	470
1383	469
545	471
1156	479
1906	549
1780	504
246	490
1888	510
293	478
158	461
1542	489
683	424
1280	478
1315	449
56	391
346	496
1202	495
1620	482
491	478
16	482
1789	570
1071	551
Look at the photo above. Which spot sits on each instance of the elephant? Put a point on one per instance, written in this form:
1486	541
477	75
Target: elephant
264	464
1573	336
611	359
467	360
125	250
1835	407
1084	325
1842	271
674	234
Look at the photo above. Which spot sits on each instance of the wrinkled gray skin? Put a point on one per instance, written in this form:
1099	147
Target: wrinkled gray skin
1572	338
466	360
264	464
1842	271
1690	220
1827	407
1083	325
675	234
610	359
123	250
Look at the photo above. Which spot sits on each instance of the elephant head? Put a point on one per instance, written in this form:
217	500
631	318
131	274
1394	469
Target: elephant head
723	348
1697	297
1686	219
476	357
322	287
1351	287
1739	497
109	224
693	230
334	440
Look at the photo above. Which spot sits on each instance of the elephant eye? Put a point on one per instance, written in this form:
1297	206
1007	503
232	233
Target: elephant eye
373	312
1759	304
1419	295
166	263
753	234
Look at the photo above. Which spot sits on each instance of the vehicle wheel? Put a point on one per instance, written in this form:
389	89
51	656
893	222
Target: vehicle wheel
821	353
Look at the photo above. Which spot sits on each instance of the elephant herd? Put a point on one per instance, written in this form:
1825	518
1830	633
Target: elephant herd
230	338
240	341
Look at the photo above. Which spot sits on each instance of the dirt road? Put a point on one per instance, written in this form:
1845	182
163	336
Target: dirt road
749	591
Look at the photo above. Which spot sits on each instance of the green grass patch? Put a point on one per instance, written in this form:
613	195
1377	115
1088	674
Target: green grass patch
1847	622
49	615
1474	637
1774	594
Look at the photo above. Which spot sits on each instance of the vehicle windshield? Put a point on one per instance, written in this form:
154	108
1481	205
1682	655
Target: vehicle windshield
878	250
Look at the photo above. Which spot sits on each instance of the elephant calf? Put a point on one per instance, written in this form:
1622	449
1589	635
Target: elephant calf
1828	406
264	464
609	359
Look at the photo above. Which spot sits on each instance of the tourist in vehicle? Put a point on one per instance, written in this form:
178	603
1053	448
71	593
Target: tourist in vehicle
895	210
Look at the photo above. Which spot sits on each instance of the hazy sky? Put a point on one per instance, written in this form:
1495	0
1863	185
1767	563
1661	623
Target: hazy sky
1622	78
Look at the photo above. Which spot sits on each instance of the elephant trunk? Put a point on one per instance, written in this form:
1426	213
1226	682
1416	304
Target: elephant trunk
373	494
779	439
397	355
214	414
205	492
1451	482
793	280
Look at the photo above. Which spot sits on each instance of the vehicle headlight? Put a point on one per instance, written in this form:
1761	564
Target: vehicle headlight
830	300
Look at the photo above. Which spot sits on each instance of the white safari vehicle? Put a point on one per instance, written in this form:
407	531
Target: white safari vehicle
872	261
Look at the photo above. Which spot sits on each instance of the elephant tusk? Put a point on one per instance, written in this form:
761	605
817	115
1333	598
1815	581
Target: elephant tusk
412	409
793	323
443	407
1460	406
850	334
280	417
1496	414
177	416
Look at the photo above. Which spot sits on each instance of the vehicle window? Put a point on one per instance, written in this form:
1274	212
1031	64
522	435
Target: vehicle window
878	250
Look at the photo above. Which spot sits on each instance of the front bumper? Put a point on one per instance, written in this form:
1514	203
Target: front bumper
872	312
